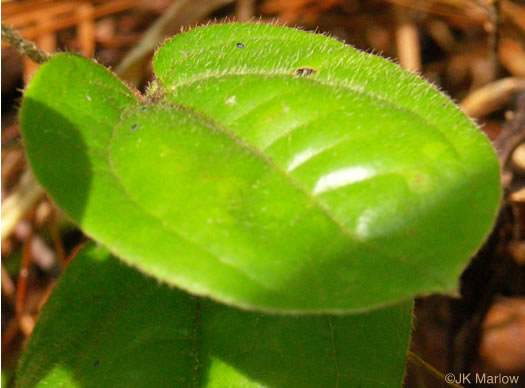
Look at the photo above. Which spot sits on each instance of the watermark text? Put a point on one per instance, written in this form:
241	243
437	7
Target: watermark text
480	378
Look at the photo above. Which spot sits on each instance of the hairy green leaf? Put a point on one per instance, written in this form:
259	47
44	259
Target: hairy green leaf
107	325
268	168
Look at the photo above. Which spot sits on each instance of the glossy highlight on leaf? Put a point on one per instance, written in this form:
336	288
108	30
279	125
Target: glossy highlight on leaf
108	325
269	168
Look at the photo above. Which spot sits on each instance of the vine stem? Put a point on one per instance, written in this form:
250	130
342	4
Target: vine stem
22	45
418	361
16	206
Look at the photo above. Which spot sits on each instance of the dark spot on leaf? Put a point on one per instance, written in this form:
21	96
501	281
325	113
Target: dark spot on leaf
304	71
143	109
239	45
133	127
95	364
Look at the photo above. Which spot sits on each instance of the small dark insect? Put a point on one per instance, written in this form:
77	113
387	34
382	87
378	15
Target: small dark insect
96	363
239	45
133	127
304	71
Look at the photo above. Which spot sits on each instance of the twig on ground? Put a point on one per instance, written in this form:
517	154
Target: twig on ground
57	240
181	13
8	286
492	96
16	206
244	10
9	334
407	40
513	131
512	56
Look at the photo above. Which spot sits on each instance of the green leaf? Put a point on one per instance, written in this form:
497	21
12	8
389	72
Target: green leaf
268	168
107	325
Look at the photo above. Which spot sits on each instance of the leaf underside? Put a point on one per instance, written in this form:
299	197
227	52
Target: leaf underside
269	168
107	325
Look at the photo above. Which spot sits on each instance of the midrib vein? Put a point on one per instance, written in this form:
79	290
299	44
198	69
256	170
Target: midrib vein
207	121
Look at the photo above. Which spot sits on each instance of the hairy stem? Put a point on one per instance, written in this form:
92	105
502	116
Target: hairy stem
24	46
